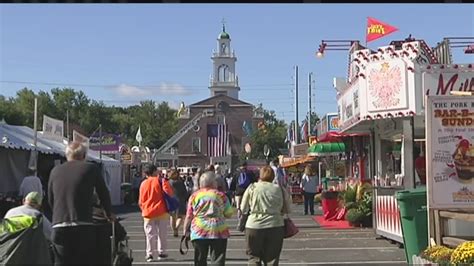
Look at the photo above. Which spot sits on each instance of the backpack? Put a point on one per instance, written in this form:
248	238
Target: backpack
244	180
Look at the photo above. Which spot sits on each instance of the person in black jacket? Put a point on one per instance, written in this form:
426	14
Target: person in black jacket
70	189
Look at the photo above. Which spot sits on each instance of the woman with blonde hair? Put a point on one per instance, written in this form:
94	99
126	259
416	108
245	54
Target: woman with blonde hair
206	216
309	185
264	230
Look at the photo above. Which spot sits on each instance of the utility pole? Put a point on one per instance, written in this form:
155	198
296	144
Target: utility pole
309	103
35	123
34	154
296	106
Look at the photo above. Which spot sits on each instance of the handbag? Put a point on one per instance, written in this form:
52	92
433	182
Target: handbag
242	221
172	203
184	240
289	227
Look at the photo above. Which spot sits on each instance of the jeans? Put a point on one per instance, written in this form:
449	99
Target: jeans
309	202
264	245
156	232
217	247
74	245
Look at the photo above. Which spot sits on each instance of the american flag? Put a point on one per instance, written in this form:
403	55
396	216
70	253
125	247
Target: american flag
217	139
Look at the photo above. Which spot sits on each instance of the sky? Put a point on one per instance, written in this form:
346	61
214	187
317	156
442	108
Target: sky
123	53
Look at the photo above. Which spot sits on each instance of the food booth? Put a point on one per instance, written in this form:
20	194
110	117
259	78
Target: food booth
294	166
383	97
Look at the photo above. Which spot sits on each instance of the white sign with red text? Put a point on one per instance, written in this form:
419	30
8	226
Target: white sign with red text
450	151
441	80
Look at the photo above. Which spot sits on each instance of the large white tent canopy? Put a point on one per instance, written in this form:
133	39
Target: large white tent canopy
21	138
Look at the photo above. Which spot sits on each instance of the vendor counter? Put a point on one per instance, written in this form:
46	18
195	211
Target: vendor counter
387	215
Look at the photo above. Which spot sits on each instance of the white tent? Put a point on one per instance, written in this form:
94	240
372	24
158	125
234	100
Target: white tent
21	138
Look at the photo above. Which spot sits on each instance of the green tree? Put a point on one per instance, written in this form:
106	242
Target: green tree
273	134
23	105
157	120
8	113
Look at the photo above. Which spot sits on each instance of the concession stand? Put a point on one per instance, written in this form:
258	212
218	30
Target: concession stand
383	99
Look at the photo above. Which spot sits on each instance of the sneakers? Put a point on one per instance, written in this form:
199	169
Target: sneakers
160	257
163	256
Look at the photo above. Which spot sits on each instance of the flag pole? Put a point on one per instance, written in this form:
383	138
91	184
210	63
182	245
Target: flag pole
67	125
100	142
366	29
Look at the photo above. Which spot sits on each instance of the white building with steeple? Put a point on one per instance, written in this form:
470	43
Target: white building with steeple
224	80
213	130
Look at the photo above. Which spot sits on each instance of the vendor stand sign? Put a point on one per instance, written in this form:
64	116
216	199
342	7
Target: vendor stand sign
53	129
110	143
450	151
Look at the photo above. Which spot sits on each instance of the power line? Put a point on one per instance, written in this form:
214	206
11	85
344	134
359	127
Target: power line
108	85
197	87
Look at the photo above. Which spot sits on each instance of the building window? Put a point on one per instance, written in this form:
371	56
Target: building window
220	119
196	145
223	73
158	164
356	99
165	164
223	48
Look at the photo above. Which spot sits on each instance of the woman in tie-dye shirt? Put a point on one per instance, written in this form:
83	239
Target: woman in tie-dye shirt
205	219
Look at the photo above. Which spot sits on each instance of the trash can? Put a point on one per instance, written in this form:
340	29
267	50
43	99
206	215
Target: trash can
414	220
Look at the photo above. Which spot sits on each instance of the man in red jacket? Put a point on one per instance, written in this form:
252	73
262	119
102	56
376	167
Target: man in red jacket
154	212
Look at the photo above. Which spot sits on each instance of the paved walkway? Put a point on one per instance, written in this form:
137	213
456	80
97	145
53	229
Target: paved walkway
311	246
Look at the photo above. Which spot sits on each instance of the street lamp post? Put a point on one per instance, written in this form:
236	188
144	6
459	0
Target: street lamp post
334	45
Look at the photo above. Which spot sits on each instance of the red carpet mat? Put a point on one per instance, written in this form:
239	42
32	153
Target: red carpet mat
331	224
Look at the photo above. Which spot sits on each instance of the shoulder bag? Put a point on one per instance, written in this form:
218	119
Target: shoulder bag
289	227
242	219
172	203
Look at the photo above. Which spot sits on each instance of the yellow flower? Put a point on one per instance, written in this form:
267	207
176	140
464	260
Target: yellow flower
464	253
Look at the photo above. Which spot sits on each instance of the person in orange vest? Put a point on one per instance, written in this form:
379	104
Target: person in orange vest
154	212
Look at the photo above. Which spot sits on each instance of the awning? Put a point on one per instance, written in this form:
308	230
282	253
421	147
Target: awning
334	136
297	161
327	148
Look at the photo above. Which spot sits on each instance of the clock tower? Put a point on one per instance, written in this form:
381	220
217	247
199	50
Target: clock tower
224	80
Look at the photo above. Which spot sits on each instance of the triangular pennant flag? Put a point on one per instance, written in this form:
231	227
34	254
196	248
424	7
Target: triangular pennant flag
138	137
377	29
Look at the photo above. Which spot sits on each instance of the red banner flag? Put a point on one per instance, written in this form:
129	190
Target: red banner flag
377	29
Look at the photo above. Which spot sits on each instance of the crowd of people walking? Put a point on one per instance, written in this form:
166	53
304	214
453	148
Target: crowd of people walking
78	197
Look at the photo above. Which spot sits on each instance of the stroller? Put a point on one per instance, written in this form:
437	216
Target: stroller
111	241
22	241
121	253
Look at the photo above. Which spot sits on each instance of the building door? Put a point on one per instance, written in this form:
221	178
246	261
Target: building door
224	162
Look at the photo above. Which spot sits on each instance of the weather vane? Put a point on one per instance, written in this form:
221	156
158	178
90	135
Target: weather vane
223	24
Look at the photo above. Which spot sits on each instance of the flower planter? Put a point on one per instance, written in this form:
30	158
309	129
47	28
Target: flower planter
417	260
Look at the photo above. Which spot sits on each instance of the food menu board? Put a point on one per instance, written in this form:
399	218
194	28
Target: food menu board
450	151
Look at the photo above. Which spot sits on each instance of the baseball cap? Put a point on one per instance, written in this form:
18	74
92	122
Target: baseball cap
34	197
